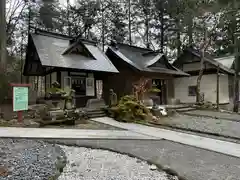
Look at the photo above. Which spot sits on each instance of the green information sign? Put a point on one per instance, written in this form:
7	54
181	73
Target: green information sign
20	98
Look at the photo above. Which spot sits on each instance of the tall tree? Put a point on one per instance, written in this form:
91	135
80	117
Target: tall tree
15	11
229	41
229	24
118	27
208	26
160	22
3	34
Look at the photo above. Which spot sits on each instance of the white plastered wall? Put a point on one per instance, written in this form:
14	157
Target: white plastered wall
208	87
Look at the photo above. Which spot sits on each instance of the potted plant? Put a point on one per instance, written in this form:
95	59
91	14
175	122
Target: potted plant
153	91
55	95
55	92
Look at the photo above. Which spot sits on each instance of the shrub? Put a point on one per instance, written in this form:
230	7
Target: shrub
129	109
154	90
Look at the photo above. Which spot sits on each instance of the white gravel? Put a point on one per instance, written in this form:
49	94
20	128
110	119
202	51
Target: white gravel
90	164
220	126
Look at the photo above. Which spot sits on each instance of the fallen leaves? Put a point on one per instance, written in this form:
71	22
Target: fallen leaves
3	171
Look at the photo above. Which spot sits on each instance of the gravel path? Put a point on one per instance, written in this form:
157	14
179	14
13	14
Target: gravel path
91	164
29	160
214	114
190	162
220	126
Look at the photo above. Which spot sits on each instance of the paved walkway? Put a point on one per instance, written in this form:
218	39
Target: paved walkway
183	138
132	131
69	134
214	114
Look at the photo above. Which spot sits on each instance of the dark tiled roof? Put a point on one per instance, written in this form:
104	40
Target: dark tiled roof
143	59
226	61
223	65
51	48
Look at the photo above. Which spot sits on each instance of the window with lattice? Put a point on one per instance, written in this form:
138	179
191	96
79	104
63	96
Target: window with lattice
192	90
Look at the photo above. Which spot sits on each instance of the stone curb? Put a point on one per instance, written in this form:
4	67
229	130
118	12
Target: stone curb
77	138
60	164
166	169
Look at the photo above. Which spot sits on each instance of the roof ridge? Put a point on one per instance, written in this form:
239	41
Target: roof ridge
51	34
58	35
135	46
86	40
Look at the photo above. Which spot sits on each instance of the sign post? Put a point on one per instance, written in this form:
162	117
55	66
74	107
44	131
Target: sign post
20	99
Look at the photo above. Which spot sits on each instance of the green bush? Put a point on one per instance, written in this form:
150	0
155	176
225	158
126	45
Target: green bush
154	90
55	90
129	110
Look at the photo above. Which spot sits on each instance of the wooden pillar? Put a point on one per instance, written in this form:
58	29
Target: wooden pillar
217	91
37	85
45	85
59	77
50	83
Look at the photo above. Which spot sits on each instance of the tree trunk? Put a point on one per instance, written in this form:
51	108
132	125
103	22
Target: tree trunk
178	33
236	93
147	14
103	27
129	22
68	18
2	35
236	77
190	31
162	31
178	38
236	51
147	31
203	49
199	78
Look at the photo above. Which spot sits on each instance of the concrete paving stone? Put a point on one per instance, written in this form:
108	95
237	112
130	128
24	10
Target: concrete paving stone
70	133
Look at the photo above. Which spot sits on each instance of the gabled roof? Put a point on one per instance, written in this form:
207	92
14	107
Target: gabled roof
144	59
54	50
224	63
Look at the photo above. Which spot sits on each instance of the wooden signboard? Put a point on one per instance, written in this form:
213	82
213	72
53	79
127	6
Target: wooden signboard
20	99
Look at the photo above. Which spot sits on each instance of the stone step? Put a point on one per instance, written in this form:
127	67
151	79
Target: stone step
94	110
95	113
176	106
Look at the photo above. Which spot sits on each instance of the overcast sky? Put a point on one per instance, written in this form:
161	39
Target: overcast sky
65	1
